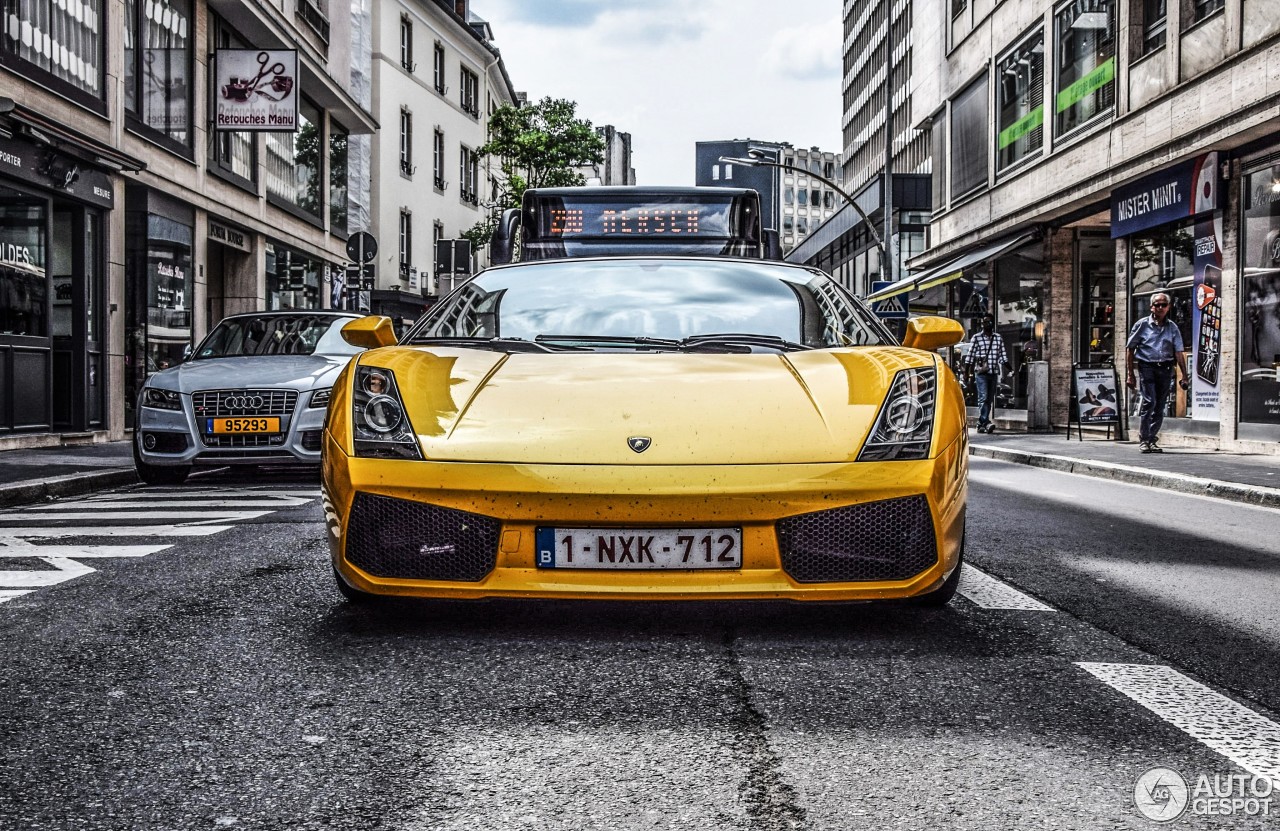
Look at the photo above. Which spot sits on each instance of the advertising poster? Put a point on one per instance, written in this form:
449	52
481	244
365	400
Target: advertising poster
1096	396
256	89
1206	320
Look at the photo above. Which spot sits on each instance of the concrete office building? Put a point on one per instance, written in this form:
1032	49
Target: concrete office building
1088	154
128	224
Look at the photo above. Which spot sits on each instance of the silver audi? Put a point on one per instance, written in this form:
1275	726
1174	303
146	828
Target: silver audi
253	392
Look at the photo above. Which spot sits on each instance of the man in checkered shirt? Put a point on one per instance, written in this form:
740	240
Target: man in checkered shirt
985	361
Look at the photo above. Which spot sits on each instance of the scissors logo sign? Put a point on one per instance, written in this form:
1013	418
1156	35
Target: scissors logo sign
256	89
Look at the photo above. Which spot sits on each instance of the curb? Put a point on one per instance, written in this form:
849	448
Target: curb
77	484
1249	494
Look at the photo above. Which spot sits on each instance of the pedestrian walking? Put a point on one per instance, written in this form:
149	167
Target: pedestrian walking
986	361
1155	345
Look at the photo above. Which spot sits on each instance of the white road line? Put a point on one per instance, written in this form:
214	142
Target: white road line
10	595
177	503
186	493
989	593
1225	726
115	531
63	570
87	552
205	516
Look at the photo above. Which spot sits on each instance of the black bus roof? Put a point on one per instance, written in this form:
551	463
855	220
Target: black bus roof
621	190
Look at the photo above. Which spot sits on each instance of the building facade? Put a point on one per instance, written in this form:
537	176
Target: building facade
881	143
128	224
1091	153
794	199
615	168
437	77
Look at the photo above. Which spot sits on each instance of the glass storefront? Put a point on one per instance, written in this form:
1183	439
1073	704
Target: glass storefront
24	281
293	279
1260	299
1163	260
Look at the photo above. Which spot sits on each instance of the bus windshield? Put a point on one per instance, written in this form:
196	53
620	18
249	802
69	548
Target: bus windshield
604	221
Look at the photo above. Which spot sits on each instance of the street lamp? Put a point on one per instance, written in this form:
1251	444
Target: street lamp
755	159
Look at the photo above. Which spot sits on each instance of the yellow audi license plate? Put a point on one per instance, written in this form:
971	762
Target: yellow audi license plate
639	548
242	425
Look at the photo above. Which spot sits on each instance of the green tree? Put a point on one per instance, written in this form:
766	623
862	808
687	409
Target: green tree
537	146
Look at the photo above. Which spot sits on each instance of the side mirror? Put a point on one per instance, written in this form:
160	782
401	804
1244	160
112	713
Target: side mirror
930	333
502	243
370	332
186	352
772	245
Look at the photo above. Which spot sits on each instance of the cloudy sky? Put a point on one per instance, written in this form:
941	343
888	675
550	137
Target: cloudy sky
672	73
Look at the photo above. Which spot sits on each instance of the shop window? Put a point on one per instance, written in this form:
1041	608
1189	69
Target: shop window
24	278
293	162
70	55
968	139
1260	293
1020	102
1163	261
169	291
1084	84
339	173
234	153
293	279
157	60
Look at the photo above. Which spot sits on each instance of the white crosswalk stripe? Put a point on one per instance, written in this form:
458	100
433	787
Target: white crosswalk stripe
28	562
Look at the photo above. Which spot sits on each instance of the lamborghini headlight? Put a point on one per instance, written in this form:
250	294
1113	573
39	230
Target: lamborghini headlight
161	399
380	426
904	427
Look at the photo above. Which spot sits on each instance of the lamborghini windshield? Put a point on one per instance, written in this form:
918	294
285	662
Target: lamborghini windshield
651	304
276	334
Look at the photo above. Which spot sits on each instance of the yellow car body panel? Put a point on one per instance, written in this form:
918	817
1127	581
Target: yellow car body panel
536	440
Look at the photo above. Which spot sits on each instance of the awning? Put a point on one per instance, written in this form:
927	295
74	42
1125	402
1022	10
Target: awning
954	269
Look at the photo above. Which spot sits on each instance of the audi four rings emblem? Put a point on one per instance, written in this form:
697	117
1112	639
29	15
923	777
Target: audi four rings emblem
639	443
243	402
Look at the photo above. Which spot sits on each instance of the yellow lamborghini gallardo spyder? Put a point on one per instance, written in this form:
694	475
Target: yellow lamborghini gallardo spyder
647	428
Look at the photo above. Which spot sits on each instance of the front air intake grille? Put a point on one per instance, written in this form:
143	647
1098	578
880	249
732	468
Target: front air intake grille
396	538
245	440
311	440
888	540
220	403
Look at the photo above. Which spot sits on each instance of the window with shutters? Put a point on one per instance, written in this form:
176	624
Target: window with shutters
1020	102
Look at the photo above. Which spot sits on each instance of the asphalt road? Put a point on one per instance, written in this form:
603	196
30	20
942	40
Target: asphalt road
221	682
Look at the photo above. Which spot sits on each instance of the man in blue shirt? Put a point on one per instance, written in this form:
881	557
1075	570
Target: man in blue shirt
1155	344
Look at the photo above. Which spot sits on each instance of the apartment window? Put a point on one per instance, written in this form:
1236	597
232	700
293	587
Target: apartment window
406	43
468	175
958	6
315	13
339	142
437	160
234	153
406	142
294	163
1020	102
406	243
157	60
1204	8
1085	86
470	92
728	172
938	154
437	69
715	172
69	57
1150	17
969	139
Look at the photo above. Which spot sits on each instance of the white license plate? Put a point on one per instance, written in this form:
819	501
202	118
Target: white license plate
639	548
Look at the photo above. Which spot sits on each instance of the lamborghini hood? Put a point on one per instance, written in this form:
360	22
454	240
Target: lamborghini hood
802	407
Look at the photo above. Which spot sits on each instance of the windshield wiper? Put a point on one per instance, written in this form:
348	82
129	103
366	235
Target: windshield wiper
730	339
498	344
624	340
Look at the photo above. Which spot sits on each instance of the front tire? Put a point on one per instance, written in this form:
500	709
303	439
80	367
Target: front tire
942	595
350	593
158	474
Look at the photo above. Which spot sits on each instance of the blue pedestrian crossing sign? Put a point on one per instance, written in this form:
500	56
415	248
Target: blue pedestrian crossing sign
891	308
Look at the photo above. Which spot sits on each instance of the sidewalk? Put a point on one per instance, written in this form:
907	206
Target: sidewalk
55	472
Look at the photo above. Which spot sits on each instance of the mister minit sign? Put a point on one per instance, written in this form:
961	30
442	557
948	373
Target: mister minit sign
256	90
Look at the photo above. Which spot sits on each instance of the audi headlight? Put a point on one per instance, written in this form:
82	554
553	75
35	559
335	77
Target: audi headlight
379	424
904	427
161	399
320	398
